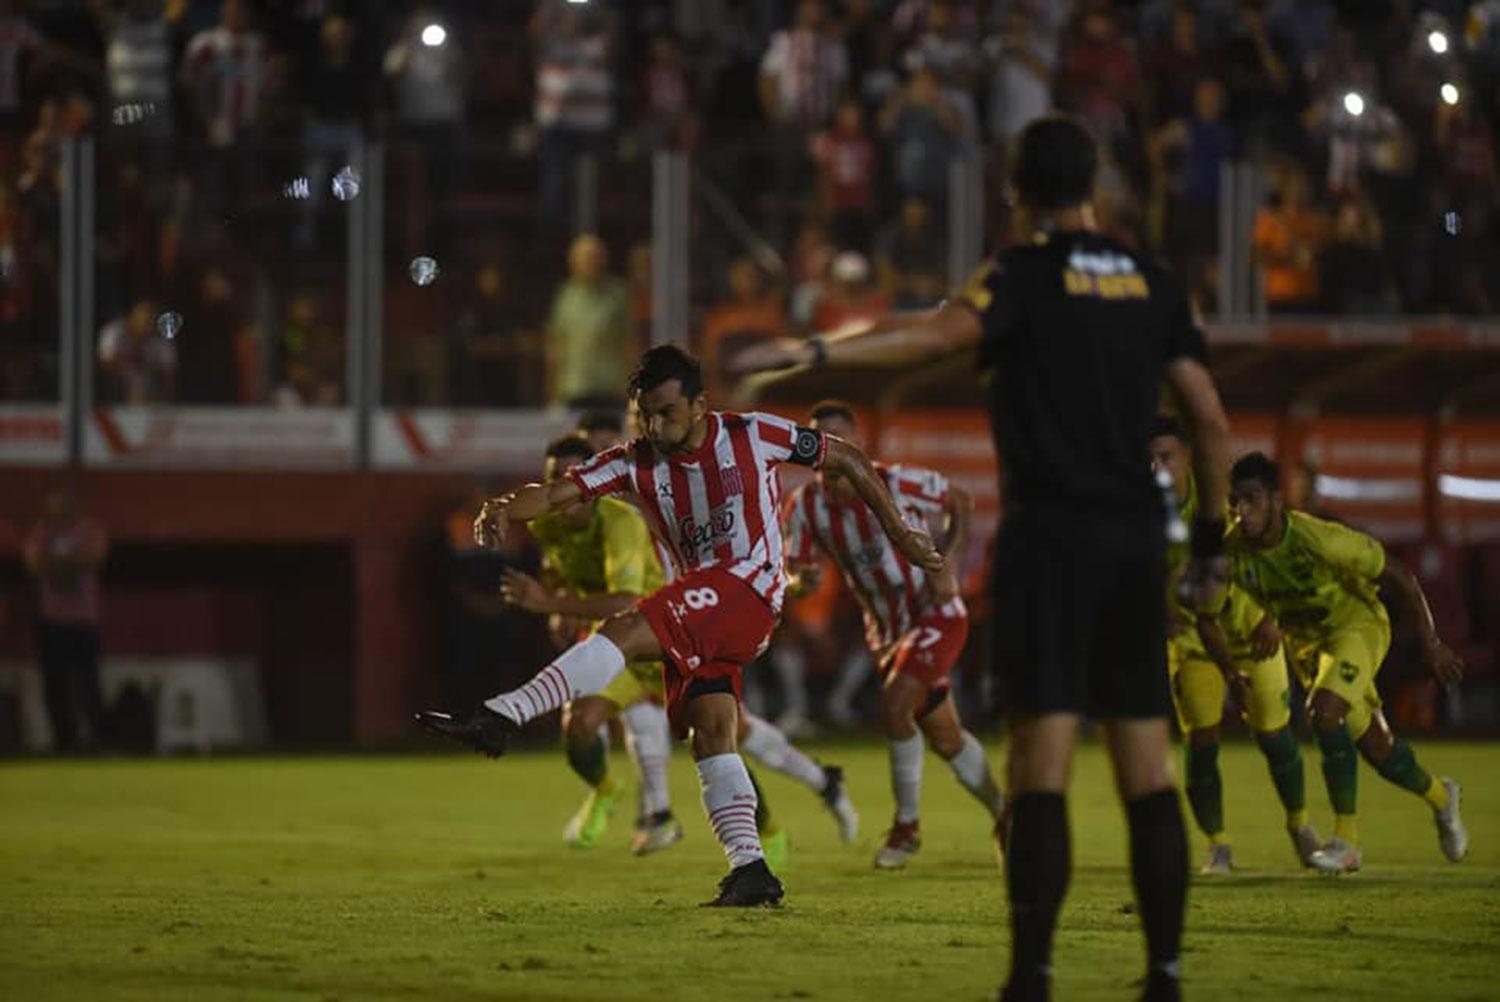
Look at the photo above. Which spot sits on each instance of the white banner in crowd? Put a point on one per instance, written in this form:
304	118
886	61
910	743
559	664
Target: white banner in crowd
223	437
33	435
465	440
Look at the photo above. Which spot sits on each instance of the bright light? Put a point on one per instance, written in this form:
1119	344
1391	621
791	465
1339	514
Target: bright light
1450	93
1469	488
1437	42
434	35
1354	104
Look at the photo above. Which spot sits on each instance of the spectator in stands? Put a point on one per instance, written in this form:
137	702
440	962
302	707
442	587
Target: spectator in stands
1187	155
138	364
1099	79
847	165
574	50
948	48
668	119
209	361
64	552
923	135
427	68
1289	235
335	90
801	75
18	39
1362	132
495	363
812	253
228	73
638	285
589	336
139	44
850	296
1352	270
870	44
1022	56
1266	89
312	357
752	313
911	258
1174	67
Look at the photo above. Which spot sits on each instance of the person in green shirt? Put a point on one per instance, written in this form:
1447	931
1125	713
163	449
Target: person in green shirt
1239	651
1322	582
589	334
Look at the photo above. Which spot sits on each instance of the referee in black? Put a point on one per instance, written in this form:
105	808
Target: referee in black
1077	337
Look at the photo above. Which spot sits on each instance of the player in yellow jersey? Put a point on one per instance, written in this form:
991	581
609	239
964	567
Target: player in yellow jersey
1321	581
1240	651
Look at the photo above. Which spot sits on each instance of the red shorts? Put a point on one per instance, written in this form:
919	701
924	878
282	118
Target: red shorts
929	650
710	624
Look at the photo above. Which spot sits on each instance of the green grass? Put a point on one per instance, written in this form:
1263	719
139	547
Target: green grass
443	877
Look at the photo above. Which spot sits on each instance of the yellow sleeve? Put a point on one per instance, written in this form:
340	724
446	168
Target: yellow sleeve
1348	550
627	552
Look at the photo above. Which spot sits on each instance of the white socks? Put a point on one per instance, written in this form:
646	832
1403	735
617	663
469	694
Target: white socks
729	799
771	748
972	770
648	736
906	776
581	670
857	667
791	672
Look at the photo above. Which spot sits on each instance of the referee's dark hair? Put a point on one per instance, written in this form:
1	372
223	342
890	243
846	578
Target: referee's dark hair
570	446
1256	466
833	408
1167	424
662	364
1055	163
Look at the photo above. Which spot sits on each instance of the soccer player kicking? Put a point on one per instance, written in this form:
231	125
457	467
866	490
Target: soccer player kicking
599	557
915	624
1240	650
708	481
603	555
1321	581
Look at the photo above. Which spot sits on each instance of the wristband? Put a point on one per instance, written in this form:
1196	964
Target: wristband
819	350
1208	538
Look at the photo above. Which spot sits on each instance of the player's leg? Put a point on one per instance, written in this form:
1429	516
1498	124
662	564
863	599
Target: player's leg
729	796
900	699
1140	752
648	737
1038	860
583	669
1198	697
962	751
764	742
1394	759
588	756
1269	716
856	667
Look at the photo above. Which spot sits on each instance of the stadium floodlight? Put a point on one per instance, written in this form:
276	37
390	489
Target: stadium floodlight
1437	41
1449	92
1354	104
434	35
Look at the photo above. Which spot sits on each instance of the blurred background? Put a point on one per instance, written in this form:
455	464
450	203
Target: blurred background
286	286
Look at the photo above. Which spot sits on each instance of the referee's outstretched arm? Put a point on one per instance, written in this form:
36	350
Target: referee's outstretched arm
897	341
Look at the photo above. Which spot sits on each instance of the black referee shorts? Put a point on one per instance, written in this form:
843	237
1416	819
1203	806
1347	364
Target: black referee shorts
1080	617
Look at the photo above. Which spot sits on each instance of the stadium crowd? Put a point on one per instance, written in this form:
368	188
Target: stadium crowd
828	128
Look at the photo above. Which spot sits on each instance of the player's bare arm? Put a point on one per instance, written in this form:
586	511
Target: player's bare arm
1216	643
525	592
1441	660
1203	412
957	512
893	342
529	502
915	544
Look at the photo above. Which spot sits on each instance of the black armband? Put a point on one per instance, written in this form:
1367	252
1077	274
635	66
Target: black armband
808	447
819	350
1208	538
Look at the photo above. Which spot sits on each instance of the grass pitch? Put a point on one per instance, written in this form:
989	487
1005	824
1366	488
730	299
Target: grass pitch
443	877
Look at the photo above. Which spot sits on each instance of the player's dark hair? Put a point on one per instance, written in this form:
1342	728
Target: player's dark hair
1055	163
832	408
663	364
1256	466
570	446
1166	424
593	421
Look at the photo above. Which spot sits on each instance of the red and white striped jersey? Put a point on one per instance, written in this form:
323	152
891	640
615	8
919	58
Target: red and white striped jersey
717	506
233	72
889	587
